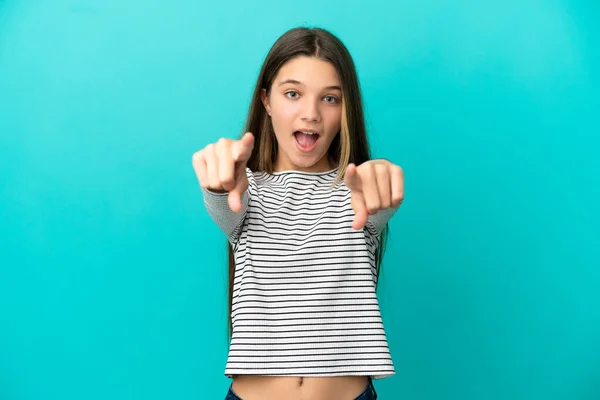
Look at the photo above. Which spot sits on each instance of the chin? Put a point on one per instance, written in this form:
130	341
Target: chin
309	164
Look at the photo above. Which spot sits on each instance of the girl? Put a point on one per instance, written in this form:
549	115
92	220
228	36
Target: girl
305	212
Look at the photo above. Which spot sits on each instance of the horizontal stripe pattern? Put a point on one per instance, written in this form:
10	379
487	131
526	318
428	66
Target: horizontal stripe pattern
304	301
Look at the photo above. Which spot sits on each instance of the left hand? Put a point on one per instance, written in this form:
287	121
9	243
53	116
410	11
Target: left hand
374	185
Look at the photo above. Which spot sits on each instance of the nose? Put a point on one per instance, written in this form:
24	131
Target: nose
310	110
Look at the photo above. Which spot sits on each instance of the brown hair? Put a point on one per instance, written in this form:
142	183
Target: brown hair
349	146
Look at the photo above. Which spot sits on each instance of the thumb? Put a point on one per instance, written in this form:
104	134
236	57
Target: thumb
242	149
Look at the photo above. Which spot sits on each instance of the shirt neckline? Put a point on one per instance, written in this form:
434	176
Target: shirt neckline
293	171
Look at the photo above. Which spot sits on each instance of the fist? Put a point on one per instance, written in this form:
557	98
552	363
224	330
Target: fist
221	167
374	185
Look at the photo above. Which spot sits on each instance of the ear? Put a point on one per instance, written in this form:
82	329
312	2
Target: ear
265	100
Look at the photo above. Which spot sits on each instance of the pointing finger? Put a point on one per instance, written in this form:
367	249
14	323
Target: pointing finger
242	149
360	210
351	178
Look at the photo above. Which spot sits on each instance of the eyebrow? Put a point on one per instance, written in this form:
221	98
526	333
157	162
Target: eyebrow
295	82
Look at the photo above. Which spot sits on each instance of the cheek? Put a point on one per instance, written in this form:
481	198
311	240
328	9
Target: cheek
288	110
283	114
334	119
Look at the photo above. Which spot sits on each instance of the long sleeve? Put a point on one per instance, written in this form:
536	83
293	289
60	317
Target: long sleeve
218	208
376	222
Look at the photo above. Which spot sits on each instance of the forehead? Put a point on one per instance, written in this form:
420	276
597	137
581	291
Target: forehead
311	71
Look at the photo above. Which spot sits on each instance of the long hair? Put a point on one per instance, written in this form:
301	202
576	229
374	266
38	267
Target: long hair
349	146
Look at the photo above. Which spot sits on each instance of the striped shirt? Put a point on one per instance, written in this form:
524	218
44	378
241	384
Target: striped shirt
304	301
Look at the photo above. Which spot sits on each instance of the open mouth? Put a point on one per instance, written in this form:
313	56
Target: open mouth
306	141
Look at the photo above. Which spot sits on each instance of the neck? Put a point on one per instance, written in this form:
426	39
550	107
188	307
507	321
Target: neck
323	165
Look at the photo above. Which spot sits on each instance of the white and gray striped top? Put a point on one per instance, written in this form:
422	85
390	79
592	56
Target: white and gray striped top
304	301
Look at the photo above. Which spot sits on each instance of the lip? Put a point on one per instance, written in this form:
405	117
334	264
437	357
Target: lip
308	130
307	149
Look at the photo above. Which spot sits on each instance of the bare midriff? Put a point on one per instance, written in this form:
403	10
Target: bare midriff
255	387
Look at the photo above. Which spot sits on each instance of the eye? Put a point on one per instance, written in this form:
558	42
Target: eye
292	92
332	99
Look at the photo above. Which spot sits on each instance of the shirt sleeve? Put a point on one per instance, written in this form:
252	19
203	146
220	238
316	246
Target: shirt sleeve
218	208
377	222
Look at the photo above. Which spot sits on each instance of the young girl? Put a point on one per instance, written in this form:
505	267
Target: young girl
305	212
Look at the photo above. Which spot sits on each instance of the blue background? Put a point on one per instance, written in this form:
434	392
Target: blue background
113	278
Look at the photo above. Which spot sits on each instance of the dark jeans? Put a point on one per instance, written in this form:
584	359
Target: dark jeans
368	394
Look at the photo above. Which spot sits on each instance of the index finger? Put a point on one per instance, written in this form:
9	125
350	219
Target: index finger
242	149
361	215
351	178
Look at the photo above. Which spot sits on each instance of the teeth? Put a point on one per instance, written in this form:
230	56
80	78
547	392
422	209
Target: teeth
309	133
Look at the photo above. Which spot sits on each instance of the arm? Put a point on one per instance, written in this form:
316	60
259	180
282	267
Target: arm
376	222
224	177
217	205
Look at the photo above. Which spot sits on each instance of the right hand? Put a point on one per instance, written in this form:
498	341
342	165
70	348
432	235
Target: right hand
221	167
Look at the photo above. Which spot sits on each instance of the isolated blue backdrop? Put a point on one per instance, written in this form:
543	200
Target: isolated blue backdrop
112	276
